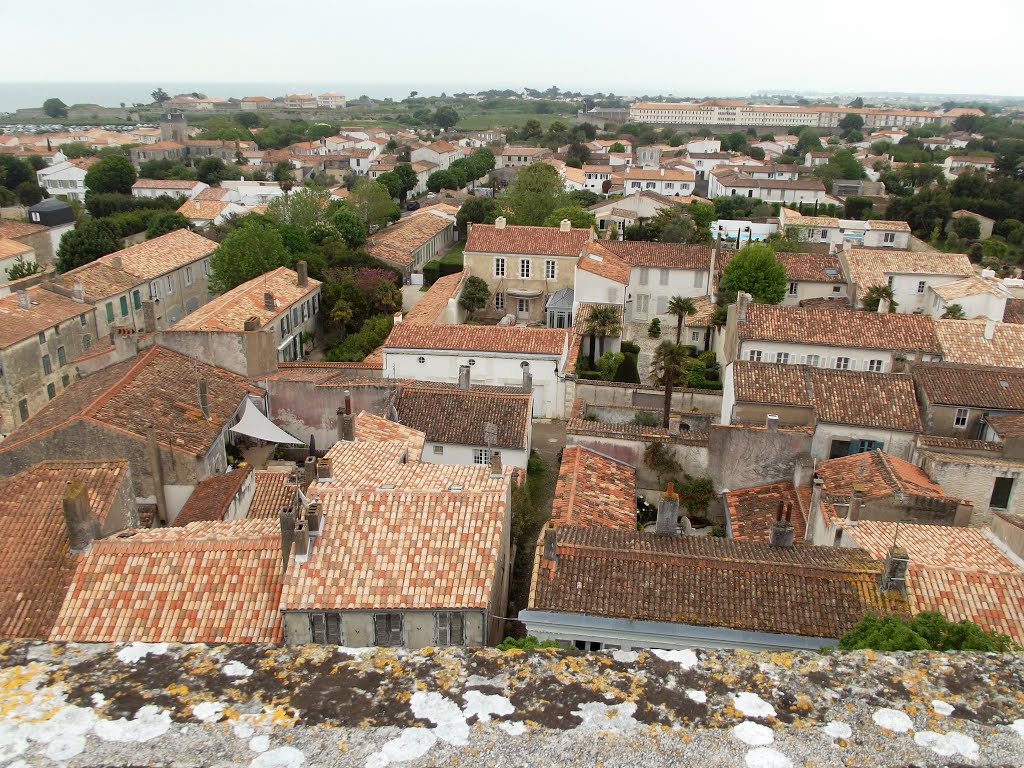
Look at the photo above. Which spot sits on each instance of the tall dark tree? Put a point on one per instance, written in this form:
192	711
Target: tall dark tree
55	108
111	174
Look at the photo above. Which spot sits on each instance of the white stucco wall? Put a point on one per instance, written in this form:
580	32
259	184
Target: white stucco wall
463	454
859	357
899	444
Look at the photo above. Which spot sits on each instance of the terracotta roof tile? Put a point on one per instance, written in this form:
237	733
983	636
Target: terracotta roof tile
812	267
887	226
210	499
594	490
14	229
186	184
1014	311
602	262
204	210
163	254
640	253
882	400
436	299
973	386
211	582
46	310
9	248
477	338
374	429
536	241
229	311
100	280
460	417
877	474
1008	425
37	567
752	511
707	581
273	491
858	330
398	243
963	341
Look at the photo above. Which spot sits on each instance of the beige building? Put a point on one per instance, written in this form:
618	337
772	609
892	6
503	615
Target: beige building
410	243
524	266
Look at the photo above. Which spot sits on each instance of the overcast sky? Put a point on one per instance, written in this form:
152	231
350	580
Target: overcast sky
686	48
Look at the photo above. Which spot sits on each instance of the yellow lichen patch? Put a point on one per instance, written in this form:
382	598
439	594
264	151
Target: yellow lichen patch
784	660
177	690
17	693
230	714
280	716
802	703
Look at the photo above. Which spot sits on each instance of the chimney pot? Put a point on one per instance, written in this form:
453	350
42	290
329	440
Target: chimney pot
268	301
314	519
309	472
565	225
301	542
324	469
499	223
252	324
23	300
990	330
82	525
287	520
116	262
464	377
883	306
496	470
668	513
348	402
302	269
743	301
772	422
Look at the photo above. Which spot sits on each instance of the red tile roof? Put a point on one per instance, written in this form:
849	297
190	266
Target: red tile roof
963	341
860	330
435	300
752	511
594	490
46	310
973	386
640	253
210	499
37	569
210	582
877	474
273	491
706	581
460	417
600	261
536	241
478	338
159	388
812	267
374	429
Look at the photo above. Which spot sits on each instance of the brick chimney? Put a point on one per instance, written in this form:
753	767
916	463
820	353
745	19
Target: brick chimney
564	225
781	534
287	519
309	472
301	541
252	324
116	262
527	380
23	300
204	398
302	270
82	525
78	293
742	302
550	557
346	421
668	512
314	519
499	223
856	501
324	469
464	377
268	301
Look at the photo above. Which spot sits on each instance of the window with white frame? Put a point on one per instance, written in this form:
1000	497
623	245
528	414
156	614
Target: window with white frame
792	289
875	366
449	628
549	269
920	286
890	280
842	363
754	355
523	305
643	275
188	276
169	280
499	266
889	237
960	420
481	455
663	277
154	289
782	357
813	360
694	335
525	267
499	300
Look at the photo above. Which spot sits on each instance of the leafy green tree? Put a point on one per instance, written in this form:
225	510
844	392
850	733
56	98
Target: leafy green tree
246	253
602	321
445	117
873	297
350	226
809	141
608	364
409	179
159	96
391	183
666	365
29	193
305	208
578	152
696	494
851	122
247	119
14	171
164	222
373	203
578	217
477	210
531	130
857	206
475	294
534	195
76	149
755	270
439	180
954	312
213	170
284	175
618	146
680	307
85	243
55	108
966	228
111	174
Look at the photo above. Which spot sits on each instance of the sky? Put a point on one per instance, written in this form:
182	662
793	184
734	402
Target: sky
655	46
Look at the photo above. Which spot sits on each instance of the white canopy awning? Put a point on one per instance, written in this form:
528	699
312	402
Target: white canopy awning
254	424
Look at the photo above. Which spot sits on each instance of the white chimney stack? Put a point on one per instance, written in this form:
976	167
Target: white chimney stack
565	225
23	300
772	422
990	330
499	223
883	306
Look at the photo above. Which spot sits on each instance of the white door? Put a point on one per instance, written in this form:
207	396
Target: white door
643	303
523	309
539	404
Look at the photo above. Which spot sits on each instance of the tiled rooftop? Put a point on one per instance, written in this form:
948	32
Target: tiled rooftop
870	267
812	267
37	567
159	387
600	261
186	184
100	280
435	300
859	330
203	210
210	499
477	338
369	428
398	243
209	582
706	581
460	417
273	491
13	229
882	400
536	241
972	386
753	510
963	341
971	285
162	254
11	248
878	474
1014	311
229	311
46	310
1007	425
594	490
959	572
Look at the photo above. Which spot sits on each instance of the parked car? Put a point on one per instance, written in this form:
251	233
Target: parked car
413	206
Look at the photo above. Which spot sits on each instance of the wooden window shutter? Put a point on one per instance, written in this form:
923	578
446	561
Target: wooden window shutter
442	633
396	628
333	622
317	624
380	629
457	628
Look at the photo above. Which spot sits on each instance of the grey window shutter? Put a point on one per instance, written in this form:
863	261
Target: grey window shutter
458	633
318	628
380	629
442	634
333	621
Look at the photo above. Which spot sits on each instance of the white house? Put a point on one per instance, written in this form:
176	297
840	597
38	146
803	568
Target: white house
908	273
331	100
663	181
519	157
640	204
441	153
705	162
172	187
496	356
983	296
65	179
887	234
724	182
955	164
702	146
595	176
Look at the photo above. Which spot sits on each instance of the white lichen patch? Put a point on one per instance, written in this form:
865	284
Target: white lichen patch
698	696
243	730
479	681
259	743
133	652
752	705
942	708
236	669
948	744
597	716
626	657
443	713
753	734
838	730
765	757
685	658
483	706
149	723
893	720
1017	726
412	743
282	757
208	711
513	728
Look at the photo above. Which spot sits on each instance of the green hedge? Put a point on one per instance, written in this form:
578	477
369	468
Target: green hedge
431	271
357	346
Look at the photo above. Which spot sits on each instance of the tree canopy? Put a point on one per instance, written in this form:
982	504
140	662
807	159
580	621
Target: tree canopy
247	252
372	201
111	174
535	194
55	108
577	216
926	631
475	294
85	243
755	270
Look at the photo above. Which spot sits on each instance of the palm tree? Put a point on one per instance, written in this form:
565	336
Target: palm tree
954	312
602	321
681	307
873	297
666	365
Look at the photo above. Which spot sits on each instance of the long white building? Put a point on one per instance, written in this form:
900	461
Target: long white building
723	112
